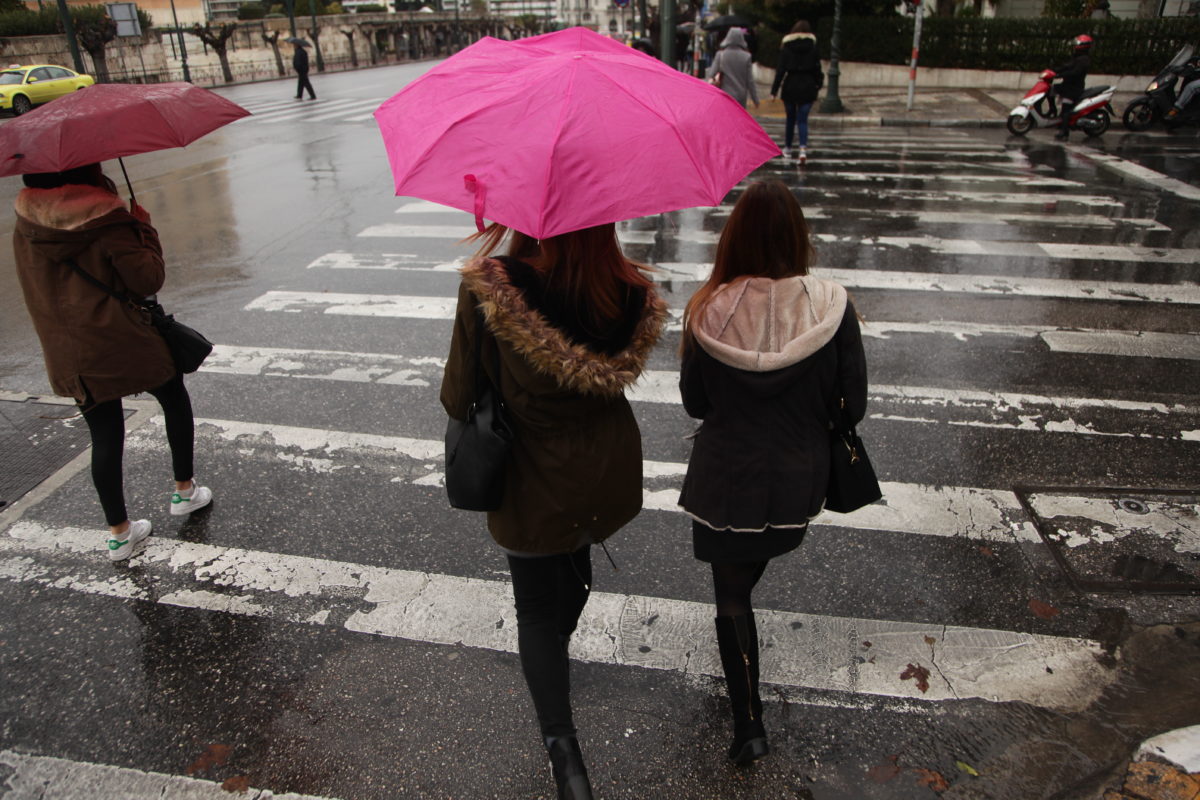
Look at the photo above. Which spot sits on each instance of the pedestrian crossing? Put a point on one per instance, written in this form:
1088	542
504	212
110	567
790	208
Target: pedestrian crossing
1119	388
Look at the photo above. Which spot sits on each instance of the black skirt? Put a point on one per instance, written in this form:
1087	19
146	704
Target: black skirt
735	547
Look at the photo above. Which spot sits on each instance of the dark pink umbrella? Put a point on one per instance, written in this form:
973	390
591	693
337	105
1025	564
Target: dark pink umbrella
111	120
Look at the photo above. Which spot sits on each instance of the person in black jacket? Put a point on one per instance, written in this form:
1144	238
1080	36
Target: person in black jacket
300	64
798	78
1072	74
769	354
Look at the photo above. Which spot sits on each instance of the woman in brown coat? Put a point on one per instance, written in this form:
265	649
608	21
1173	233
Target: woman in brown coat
769	353
569	326
98	349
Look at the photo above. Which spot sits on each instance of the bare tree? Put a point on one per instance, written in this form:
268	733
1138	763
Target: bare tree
313	33
349	34
94	36
218	39
273	40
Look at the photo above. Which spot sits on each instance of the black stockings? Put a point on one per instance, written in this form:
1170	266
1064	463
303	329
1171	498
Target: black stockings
732	585
550	593
106	422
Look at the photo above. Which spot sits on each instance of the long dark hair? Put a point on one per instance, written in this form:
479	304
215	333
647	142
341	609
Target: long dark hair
87	175
586	266
766	236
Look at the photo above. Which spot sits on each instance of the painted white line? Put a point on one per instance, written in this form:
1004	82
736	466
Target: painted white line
1020	180
360	305
980	218
1156	180
946	511
861	656
1143	344
385	261
37	777
954	196
930	405
1178	523
1083	252
299	109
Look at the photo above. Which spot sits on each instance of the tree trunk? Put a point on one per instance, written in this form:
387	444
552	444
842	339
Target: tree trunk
225	70
353	53
99	64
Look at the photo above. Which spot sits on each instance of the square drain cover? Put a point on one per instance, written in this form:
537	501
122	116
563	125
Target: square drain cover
1140	540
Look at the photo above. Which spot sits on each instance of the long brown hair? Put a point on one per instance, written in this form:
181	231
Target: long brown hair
766	236
587	266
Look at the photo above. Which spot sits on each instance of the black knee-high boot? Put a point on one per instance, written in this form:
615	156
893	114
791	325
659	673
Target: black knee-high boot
737	639
570	775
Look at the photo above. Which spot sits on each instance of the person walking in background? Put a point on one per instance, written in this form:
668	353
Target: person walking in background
1072	75
732	69
570	323
300	64
98	349
798	78
768	353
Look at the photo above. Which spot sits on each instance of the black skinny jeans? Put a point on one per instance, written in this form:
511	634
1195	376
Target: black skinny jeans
550	593
106	422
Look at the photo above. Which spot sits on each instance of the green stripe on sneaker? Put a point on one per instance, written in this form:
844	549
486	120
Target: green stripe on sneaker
116	544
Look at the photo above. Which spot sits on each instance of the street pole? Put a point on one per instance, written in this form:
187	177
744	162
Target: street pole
832	104
912	72
69	29
187	76
666	34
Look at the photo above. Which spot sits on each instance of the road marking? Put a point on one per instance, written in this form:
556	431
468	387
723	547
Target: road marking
1155	179
961	407
34	777
966	512
1031	181
983	198
812	651
977	218
1083	252
300	109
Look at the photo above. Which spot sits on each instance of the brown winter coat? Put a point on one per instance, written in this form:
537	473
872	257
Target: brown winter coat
92	343
575	473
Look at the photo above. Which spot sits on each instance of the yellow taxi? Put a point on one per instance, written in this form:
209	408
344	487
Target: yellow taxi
24	86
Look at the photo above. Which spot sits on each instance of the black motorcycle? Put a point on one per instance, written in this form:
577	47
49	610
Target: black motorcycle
1160	96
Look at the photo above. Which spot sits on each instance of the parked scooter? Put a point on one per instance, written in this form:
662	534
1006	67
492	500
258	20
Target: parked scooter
1160	95
1038	109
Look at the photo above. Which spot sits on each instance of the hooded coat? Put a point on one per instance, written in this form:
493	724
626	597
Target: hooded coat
768	362
733	64
798	76
575	469
93	344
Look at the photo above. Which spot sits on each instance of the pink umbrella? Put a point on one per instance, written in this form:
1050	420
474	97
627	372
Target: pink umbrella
565	131
111	120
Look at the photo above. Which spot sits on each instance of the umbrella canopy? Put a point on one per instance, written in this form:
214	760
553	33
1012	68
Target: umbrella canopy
565	131
298	40
111	120
728	21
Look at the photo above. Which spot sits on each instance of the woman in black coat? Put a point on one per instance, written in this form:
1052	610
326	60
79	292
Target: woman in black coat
769	352
798	78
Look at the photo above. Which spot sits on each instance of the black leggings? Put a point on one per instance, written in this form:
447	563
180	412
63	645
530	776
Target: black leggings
106	422
732	585
550	593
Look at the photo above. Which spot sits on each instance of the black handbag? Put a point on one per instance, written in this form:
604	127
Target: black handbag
852	481
188	346
477	448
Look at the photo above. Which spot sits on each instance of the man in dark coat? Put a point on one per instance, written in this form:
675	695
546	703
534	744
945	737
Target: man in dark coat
300	64
1072	74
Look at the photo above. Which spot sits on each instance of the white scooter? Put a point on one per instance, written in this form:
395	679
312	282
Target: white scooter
1092	114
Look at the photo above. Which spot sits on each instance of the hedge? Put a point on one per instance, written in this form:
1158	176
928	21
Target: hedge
1123	46
45	22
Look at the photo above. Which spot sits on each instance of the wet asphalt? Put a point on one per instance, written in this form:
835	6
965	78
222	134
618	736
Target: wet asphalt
155	683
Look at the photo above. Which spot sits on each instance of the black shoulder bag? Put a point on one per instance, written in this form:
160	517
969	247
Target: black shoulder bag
477	448
188	347
852	481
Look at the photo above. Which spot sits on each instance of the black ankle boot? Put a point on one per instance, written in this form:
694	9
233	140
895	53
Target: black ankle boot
737	639
570	775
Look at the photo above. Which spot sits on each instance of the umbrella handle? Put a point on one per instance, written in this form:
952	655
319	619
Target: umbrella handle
128	183
475	186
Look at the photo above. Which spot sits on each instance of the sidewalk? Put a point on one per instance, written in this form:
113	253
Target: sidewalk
973	108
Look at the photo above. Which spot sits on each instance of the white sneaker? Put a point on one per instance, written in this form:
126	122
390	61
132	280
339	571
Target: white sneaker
121	549
196	499
803	156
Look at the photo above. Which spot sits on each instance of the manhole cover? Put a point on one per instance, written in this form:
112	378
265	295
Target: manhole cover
1120	539
35	441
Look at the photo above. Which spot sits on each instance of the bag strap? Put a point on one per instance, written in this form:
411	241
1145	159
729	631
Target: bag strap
94	281
481	330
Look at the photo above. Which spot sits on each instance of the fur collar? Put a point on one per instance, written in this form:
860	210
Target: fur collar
546	348
795	37
67	207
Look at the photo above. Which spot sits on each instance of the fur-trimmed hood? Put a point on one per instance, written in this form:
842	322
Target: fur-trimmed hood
760	324
62	222
796	37
547	349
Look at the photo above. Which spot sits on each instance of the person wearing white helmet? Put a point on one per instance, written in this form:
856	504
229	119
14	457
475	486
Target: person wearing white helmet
1072	74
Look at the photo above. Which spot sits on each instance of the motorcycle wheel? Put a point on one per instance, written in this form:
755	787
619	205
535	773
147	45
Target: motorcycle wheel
1139	115
1018	125
1096	123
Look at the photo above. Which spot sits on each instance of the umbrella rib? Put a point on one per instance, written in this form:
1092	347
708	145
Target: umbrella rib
558	127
